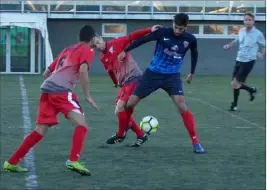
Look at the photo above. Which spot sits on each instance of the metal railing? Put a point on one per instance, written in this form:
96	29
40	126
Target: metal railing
134	7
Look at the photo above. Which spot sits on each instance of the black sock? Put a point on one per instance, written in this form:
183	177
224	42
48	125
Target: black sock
247	88
236	95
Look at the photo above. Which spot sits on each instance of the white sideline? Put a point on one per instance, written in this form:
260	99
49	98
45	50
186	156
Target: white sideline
29	160
226	112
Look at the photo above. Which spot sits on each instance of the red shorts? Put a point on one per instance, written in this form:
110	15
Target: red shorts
51	104
125	92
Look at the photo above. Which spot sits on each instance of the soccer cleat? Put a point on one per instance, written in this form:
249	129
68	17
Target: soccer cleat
77	167
115	139
140	141
198	149
253	94
13	168
233	107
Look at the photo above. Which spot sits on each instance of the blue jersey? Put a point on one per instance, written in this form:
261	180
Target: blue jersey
170	50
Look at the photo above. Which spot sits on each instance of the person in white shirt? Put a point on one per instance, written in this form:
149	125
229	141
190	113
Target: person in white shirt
249	41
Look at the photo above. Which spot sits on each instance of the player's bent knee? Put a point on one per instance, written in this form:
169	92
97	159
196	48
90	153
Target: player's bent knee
235	84
180	103
77	119
42	129
133	101
182	107
120	107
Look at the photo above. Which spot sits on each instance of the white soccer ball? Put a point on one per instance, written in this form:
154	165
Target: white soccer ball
149	124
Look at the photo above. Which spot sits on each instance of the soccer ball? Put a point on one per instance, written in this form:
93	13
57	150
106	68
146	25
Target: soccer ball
149	124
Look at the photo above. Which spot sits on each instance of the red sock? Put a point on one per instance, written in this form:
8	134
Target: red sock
123	121
29	141
135	128
130	112
190	125
77	143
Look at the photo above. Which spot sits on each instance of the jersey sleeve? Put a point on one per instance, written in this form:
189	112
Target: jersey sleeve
194	55
53	65
126	40
87	55
261	40
150	37
237	37
138	34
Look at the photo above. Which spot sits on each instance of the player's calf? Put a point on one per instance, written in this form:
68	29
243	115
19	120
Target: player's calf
235	84
120	135
41	129
253	93
78	136
133	101
182	107
28	142
123	124
189	122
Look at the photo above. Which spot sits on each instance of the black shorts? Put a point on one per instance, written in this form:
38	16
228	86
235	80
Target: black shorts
242	69
150	82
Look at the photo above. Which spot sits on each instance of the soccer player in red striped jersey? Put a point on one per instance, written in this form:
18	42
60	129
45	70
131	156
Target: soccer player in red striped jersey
123	75
71	65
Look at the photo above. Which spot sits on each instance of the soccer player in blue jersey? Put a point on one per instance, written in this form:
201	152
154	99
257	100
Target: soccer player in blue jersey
164	70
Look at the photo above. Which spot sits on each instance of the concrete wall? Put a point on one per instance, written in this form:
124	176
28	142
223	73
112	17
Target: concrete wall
213	60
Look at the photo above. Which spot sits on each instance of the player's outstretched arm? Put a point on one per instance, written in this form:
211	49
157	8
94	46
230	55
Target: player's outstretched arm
261	42
194	59
113	78
46	73
126	40
230	45
110	73
194	56
140	33
150	37
140	41
50	69
84	77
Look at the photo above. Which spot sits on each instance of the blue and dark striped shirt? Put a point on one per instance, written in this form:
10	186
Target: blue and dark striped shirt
170	50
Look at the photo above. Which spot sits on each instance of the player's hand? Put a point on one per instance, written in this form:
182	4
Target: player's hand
115	85
260	56
92	102
121	56
155	27
189	78
226	47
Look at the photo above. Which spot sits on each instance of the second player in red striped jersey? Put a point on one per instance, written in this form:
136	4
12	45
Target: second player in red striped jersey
124	75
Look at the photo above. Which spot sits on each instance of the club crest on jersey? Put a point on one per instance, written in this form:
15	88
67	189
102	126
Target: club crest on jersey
175	48
186	43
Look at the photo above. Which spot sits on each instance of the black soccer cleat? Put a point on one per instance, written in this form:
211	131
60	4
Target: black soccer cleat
115	139
140	141
253	94
233	107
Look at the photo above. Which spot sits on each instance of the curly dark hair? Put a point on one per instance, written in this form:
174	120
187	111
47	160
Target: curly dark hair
181	19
